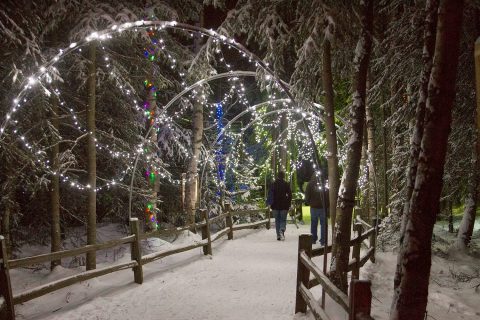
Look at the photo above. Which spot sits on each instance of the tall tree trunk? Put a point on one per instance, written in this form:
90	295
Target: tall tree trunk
274	153
465	230
292	159
372	185
151	219
55	187
192	173
184	178
414	259
5	226
385	163
92	156
364	190
346	195
429	35
331	131
468	220
191	192
283	142
430	27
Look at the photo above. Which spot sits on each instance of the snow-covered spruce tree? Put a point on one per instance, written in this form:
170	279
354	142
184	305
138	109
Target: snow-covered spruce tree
465	128
118	124
21	23
414	259
163	81
394	88
402	65
85	20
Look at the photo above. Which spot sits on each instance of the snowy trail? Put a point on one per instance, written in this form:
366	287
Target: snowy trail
251	277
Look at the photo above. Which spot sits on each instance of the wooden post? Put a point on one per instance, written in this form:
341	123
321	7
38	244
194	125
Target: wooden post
360	299
207	249
267	214
303	273
7	311
136	250
228	220
373	238
356	251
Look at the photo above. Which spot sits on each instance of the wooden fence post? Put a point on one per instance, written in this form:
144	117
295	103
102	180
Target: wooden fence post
7	312
207	249
373	238
303	273
360	300
136	251
356	251
228	220
267	215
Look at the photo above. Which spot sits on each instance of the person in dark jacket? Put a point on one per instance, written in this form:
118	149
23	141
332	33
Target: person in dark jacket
281	201
316	197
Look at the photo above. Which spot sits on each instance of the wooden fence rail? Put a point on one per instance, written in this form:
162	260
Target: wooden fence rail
358	303
336	294
42	258
8	300
356	243
65	282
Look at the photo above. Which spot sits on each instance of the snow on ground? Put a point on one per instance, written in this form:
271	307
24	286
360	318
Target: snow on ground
251	277
454	291
448	297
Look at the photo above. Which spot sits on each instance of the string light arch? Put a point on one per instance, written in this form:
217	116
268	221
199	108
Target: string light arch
269	75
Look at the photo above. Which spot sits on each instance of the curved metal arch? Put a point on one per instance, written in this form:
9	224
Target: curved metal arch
106	34
276	111
272	101
172	101
239	73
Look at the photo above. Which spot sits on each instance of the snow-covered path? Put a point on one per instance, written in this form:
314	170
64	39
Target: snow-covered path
251	277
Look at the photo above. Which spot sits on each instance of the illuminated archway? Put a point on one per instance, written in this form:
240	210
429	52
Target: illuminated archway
264	71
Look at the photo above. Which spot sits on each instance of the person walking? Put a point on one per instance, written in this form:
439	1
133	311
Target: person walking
316	196
281	199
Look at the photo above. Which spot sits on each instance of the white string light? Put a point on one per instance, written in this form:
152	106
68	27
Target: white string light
168	121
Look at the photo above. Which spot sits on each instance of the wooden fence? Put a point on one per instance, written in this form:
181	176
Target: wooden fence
358	303
8	300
